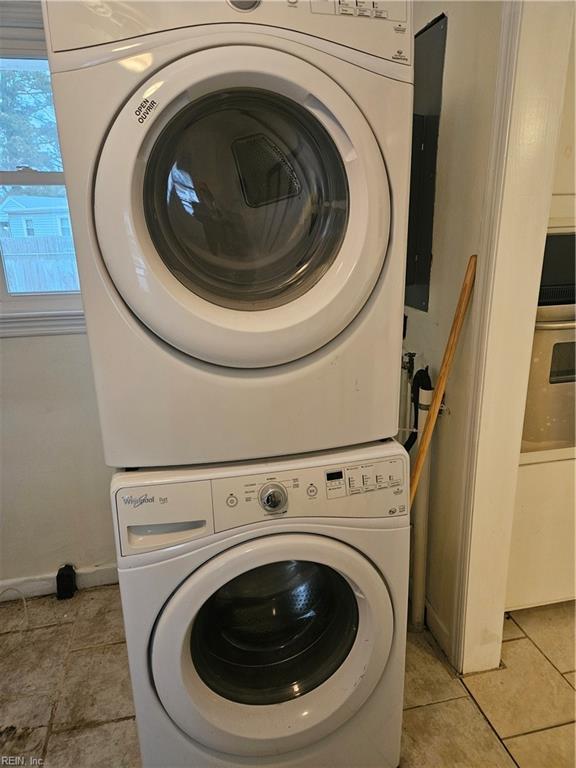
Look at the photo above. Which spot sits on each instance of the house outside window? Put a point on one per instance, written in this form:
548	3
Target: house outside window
39	285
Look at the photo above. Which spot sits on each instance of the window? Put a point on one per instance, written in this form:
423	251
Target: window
38	275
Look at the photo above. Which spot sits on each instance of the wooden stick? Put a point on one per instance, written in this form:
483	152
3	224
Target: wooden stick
449	352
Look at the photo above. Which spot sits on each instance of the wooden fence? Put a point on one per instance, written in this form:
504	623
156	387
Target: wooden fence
39	264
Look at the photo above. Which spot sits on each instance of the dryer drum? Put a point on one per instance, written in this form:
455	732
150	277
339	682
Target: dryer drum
275	632
246	198
266	175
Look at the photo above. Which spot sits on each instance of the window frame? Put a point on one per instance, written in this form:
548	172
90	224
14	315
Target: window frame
22	36
64	226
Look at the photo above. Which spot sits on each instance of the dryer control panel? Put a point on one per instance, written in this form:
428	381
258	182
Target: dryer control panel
380	28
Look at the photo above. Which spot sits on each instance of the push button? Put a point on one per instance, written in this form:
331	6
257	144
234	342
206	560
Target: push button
232	500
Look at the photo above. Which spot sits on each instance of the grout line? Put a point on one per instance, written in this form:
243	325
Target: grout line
508	616
57	695
499	668
91	724
33	629
538	730
465	695
97	645
546	657
494	731
49	729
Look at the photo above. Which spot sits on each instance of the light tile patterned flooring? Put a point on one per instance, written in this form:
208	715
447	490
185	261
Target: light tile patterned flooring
65	691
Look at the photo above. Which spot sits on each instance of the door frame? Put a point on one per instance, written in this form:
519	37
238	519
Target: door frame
526	121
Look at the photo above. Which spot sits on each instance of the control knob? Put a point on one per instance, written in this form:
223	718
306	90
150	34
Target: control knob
273	498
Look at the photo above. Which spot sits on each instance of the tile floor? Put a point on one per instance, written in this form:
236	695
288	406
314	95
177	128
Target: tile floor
65	691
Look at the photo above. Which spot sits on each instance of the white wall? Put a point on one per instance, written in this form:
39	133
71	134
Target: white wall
564	176
470	71
562	213
54	491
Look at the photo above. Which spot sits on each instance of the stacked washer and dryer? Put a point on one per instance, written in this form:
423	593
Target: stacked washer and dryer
238	176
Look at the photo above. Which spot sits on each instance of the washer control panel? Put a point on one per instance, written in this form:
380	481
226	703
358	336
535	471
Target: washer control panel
273	498
163	508
363	489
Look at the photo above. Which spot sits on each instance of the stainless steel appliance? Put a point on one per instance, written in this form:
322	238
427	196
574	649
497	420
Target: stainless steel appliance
550	403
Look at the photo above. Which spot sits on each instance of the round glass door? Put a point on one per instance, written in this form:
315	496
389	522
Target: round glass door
275	632
242	206
272	644
246	198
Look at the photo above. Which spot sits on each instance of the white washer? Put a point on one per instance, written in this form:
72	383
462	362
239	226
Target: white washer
238	183
265	609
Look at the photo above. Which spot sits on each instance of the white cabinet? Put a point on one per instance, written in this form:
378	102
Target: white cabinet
541	568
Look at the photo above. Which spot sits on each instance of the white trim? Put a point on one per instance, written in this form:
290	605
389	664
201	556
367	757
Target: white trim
532	72
437	627
545	457
45	584
562	213
17	324
32	178
522	606
508	54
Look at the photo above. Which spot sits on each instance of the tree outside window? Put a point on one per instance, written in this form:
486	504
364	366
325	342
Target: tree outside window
36	247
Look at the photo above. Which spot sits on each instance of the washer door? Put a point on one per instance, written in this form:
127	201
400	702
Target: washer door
242	206
273	644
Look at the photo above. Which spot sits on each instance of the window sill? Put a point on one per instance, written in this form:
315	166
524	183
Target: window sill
18	324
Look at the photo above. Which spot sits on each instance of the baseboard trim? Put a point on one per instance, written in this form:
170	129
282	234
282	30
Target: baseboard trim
439	631
45	584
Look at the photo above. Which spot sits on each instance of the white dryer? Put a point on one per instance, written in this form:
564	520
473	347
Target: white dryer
265	609
238	181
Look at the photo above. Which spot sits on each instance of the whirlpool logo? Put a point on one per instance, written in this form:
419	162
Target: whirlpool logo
137	501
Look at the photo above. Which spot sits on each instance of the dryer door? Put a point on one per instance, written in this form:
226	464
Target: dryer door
242	206
273	644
